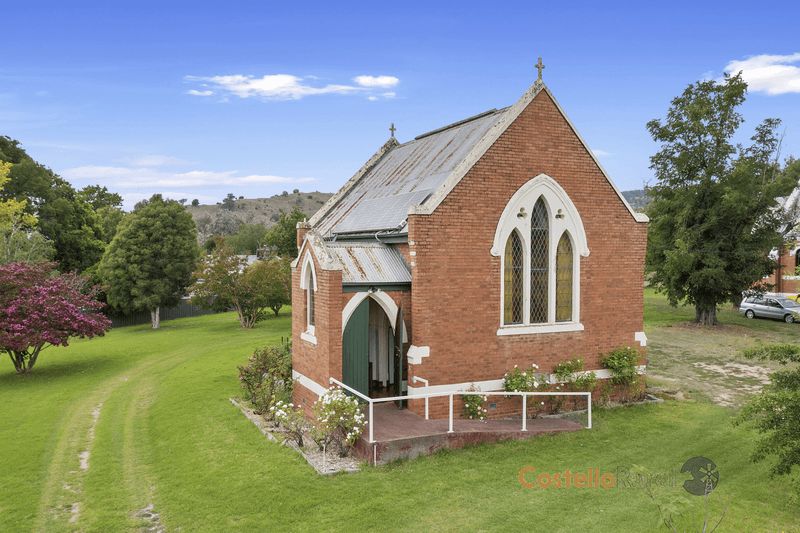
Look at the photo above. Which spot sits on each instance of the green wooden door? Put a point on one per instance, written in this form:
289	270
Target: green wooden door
355	349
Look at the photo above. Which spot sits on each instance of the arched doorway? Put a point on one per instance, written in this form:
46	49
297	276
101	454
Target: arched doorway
371	352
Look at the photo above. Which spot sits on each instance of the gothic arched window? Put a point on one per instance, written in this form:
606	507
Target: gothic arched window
542	239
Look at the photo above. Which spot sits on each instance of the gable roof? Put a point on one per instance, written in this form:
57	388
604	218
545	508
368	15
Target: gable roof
404	175
415	177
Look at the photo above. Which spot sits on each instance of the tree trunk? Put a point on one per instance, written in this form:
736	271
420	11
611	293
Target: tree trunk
19	358
705	317
155	317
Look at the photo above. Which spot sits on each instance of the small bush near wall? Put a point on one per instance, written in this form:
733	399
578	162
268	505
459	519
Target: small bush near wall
267	376
571	373
623	362
339	421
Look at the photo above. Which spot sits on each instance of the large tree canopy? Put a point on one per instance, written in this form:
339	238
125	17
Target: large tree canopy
150	260
19	239
224	280
248	239
713	220
39	309
282	237
64	217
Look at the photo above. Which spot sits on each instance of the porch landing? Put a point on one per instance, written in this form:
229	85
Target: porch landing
403	434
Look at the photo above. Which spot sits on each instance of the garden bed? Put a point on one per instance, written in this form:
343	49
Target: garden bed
325	464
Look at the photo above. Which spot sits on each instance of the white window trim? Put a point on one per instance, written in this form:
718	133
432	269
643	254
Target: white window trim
555	199
308	282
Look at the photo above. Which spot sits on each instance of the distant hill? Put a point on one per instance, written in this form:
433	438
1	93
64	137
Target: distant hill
638	199
216	220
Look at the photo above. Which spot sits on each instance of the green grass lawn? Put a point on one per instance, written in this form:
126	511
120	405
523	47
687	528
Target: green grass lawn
152	410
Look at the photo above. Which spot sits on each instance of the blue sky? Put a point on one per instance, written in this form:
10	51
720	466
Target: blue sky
198	101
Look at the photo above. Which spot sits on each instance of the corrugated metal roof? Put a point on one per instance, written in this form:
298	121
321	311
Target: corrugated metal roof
419	165
380	214
370	262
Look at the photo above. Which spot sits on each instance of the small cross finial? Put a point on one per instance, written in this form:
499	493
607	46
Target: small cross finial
392	129
539	67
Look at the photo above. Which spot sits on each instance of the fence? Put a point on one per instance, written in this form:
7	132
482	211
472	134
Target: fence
184	310
524	395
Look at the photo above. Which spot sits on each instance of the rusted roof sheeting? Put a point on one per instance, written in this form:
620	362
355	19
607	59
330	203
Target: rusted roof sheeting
370	262
414	166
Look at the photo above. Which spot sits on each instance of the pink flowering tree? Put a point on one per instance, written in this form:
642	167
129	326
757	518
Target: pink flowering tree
39	308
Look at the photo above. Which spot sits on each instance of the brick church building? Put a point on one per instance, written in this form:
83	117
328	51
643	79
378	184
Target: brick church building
446	260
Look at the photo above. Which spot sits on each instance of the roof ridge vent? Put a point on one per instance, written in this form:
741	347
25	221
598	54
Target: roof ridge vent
454	124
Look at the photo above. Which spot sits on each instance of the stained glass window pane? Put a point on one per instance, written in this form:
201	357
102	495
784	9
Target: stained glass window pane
311	302
539	262
564	279
512	280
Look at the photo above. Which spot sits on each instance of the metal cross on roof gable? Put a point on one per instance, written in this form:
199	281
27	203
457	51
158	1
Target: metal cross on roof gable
392	129
539	66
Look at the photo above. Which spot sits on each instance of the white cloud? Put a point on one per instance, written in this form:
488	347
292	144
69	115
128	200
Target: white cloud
388	95
277	86
200	93
600	153
373	98
768	73
376	81
154	161
139	178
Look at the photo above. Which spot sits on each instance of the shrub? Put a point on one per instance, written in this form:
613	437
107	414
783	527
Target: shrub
267	376
571	372
339	421
293	420
775	413
473	404
519	380
528	380
622	362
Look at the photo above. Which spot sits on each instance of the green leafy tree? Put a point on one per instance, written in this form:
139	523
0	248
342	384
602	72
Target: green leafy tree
19	239
282	237
229	202
248	239
195	202
149	263
64	216
99	197
775	413
109	218
223	281
712	217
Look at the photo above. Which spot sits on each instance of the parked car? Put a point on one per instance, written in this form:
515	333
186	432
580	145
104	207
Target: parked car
784	309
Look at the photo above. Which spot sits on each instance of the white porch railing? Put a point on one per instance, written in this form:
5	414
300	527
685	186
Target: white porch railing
373	401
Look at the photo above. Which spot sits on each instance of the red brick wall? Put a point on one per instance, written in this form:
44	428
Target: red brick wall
457	282
317	362
786	268
323	360
454	307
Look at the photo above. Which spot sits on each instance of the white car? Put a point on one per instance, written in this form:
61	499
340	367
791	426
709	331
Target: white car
770	307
